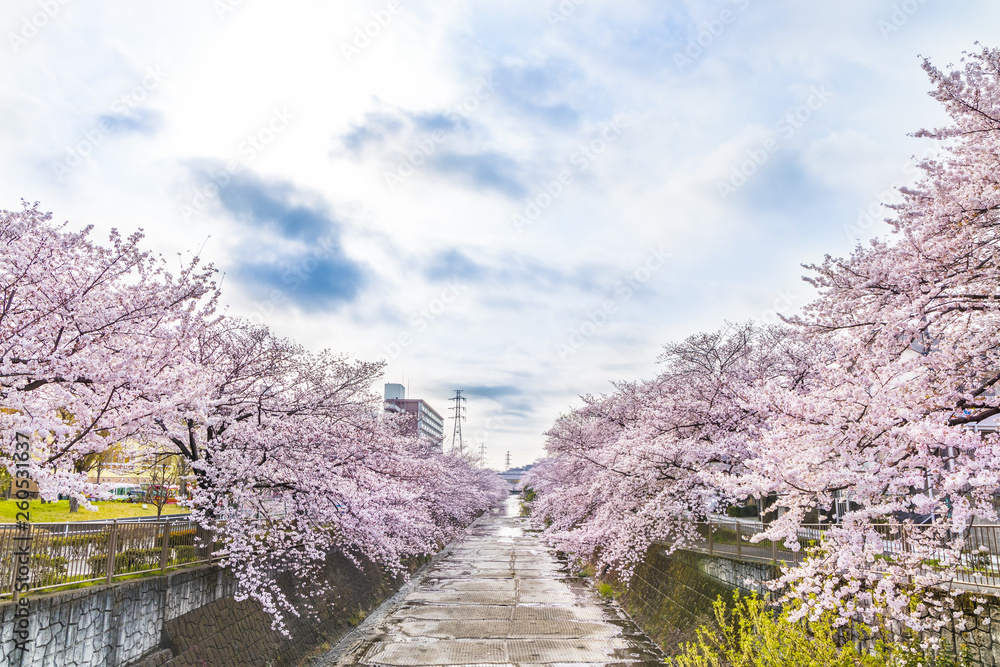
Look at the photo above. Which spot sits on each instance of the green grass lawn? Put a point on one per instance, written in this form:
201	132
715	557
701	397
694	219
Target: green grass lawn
59	511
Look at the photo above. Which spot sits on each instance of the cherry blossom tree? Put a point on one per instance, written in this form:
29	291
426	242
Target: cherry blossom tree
914	319
293	457
896	374
642	464
91	342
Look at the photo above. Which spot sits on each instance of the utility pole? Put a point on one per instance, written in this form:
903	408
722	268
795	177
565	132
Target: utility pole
458	414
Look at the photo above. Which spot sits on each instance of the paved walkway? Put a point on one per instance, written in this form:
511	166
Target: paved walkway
497	596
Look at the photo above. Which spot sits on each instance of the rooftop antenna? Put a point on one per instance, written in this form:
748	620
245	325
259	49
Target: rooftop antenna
458	414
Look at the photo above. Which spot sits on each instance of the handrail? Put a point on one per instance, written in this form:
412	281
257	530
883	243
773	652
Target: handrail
85	552
978	560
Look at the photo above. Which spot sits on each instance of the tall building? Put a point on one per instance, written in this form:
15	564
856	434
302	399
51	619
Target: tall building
429	423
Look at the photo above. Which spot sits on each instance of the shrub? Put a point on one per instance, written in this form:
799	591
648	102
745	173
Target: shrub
126	561
97	565
137	536
47	569
185	553
137	559
182	537
751	634
76	546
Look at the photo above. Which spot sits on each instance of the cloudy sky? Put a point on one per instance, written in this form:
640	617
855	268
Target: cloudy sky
522	199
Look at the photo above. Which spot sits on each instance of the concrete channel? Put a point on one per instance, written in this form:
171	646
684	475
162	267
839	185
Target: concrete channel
496	596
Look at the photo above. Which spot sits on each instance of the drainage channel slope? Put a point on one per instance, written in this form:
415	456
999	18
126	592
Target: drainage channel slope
497	596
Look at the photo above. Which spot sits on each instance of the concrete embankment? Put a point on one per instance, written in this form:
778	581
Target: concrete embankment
187	618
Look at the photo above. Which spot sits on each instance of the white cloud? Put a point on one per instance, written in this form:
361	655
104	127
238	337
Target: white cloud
558	82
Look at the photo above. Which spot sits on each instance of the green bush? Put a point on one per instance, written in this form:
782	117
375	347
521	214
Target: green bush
126	561
750	634
131	560
76	546
185	553
97	564
47	569
137	536
182	537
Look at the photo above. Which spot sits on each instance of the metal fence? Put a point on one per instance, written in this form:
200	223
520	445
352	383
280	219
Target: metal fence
50	555
978	564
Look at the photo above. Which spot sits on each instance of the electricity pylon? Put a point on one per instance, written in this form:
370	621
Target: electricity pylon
458	414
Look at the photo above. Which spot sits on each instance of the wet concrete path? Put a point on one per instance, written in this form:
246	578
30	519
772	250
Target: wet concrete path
497	596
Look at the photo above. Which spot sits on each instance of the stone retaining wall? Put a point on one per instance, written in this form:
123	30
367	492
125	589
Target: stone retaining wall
185	618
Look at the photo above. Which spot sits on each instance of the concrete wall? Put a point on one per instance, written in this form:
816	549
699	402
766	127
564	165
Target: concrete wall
185	618
670	596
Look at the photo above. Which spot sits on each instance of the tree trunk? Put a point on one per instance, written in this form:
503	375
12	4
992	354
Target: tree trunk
74	504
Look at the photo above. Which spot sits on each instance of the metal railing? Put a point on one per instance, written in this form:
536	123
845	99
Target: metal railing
51	555
978	564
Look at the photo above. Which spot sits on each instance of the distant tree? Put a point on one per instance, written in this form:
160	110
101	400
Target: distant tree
290	429
162	470
642	463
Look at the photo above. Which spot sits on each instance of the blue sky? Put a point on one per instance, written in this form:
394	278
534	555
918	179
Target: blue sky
524	200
